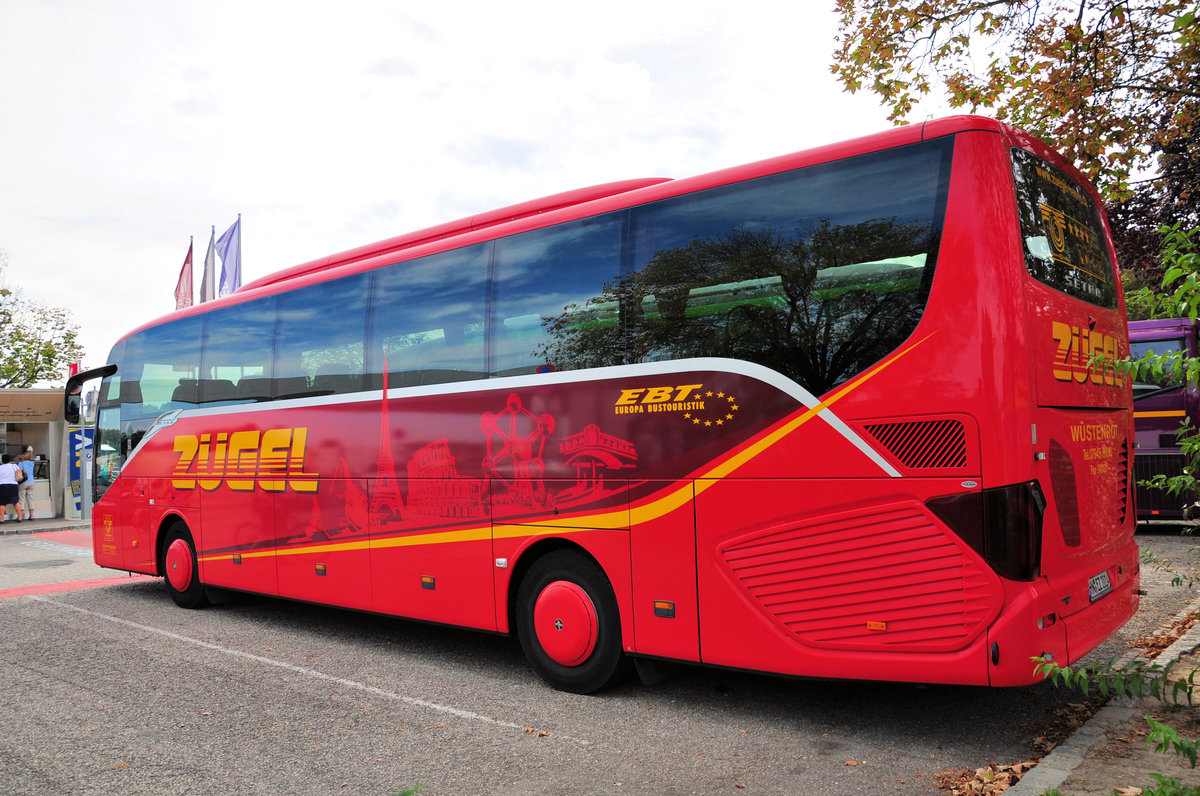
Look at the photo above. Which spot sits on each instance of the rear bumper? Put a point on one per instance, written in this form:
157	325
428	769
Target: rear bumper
1094	624
1031	626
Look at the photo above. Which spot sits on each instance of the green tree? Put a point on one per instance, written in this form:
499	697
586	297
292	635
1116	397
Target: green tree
1091	79
36	342
1171	200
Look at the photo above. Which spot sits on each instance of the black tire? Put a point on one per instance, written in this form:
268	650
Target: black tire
591	657
180	569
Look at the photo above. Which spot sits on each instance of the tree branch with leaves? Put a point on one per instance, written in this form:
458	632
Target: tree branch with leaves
36	342
1089	78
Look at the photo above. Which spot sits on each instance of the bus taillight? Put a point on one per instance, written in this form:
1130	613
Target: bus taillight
1004	525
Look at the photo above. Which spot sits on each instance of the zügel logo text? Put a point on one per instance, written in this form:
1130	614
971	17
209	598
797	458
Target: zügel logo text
1076	347
272	459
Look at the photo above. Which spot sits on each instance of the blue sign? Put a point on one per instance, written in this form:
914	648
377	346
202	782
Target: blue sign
81	457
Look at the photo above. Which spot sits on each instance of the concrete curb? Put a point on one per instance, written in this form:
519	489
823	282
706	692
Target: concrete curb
14	528
1054	769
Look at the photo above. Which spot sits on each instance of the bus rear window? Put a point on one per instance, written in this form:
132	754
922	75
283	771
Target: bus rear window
1064	239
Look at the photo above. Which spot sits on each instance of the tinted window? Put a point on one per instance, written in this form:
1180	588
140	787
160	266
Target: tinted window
815	273
428	316
112	444
554	288
1140	348
319	338
156	370
1065	243
236	361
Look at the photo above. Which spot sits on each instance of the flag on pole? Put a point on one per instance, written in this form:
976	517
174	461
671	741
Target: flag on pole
208	282
229	247
183	287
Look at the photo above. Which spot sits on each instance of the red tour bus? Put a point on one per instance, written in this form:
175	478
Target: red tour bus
829	414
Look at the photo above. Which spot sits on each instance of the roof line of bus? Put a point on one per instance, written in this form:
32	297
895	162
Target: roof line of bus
452	229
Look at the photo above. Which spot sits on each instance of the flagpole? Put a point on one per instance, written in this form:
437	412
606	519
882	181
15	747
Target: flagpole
212	272
208	277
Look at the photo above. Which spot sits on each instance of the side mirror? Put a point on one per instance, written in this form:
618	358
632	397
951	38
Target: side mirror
73	398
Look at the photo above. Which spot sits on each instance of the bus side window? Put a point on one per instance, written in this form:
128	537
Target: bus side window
235	364
319	334
187	394
553	307
335	378
513	343
428	327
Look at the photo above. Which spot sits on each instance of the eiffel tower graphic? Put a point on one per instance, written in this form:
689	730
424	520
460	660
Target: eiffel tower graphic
387	504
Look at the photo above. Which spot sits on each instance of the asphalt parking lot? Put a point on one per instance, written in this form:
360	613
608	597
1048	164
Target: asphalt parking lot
113	688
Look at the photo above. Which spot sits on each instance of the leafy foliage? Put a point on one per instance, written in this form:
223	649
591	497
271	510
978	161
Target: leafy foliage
36	342
1170	199
1142	679
1166	739
1169	786
1084	77
1137	681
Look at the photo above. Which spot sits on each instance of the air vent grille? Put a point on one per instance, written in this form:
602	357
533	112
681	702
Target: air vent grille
873	580
924	444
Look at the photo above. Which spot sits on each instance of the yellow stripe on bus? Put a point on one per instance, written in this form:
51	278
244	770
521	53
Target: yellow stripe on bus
1171	413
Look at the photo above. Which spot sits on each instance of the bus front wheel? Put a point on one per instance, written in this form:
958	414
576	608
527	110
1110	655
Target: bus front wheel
181	569
568	623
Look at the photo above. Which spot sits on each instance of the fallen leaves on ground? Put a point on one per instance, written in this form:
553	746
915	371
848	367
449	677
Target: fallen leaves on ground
991	779
1151	646
996	778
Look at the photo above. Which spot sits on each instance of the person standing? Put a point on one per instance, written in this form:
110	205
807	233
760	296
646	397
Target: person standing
25	488
8	487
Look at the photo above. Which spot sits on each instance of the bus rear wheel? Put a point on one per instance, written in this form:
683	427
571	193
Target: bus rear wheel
181	569
568	623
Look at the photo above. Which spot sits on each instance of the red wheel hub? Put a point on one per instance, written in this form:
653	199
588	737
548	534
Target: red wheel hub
179	565
564	619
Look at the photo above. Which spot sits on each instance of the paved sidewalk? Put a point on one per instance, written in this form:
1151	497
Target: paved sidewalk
38	525
1109	751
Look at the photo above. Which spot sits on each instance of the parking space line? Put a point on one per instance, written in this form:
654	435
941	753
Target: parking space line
310	673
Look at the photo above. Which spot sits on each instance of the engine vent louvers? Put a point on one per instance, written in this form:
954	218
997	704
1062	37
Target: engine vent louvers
924	444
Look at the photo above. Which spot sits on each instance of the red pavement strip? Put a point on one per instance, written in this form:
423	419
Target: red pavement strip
73	538
76	539
74	585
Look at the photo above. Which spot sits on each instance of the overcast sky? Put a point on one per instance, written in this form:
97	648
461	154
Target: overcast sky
129	126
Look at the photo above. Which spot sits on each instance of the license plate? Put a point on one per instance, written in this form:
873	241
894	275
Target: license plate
1098	586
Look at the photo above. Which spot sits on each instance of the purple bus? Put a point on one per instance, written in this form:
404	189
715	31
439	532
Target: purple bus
1158	411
